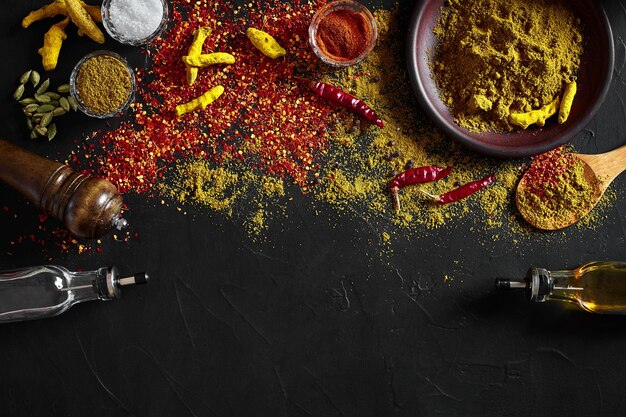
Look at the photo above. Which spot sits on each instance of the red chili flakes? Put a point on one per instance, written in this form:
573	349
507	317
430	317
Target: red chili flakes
263	120
547	168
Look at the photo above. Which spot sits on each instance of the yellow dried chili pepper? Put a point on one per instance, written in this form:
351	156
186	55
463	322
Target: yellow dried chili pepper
567	101
57	8
81	18
196	49
200	102
537	117
265	43
205	60
52	41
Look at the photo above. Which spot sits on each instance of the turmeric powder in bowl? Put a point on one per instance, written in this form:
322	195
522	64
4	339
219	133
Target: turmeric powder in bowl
102	84
501	57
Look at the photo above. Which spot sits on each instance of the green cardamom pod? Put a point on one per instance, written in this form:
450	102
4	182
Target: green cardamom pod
27	101
59	111
63	89
28	114
33	134
25	77
36	119
44	86
45	121
35	78
19	92
53	95
54	103
29	124
73	104
42	99
45	108
42	131
64	103
52	131
31	108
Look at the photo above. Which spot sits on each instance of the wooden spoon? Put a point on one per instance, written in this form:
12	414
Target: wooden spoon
600	170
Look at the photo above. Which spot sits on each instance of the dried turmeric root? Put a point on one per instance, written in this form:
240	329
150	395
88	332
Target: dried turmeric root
568	100
265	43
52	41
537	117
196	49
81	18
49	10
94	11
200	102
57	8
205	60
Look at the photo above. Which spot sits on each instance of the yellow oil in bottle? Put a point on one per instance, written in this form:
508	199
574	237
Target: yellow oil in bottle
598	287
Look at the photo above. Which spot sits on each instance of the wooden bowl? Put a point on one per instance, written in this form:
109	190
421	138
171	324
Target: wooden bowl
594	78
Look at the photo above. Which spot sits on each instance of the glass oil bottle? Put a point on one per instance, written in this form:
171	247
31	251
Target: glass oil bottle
596	287
46	291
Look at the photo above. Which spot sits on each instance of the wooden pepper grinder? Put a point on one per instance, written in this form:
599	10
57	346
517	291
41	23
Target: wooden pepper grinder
89	207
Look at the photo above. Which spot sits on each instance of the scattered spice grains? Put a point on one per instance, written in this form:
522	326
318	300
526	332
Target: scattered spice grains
263	120
237	158
224	191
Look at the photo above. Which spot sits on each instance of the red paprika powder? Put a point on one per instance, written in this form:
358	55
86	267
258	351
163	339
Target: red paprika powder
343	35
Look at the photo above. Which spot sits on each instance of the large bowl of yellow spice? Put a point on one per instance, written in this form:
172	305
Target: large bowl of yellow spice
510	78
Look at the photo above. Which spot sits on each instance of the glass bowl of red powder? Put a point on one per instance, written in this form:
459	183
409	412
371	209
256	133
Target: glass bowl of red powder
343	33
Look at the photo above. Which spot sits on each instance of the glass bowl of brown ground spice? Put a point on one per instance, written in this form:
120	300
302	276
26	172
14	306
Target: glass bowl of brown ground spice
343	33
102	84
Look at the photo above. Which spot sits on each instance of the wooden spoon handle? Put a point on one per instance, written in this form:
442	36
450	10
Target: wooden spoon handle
607	165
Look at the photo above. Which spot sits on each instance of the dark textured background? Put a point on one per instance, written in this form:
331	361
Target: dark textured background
315	321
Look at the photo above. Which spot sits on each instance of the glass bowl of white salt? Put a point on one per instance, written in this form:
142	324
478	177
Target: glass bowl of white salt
134	22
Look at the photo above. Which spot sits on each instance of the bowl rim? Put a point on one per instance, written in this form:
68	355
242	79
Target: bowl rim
76	95
464	136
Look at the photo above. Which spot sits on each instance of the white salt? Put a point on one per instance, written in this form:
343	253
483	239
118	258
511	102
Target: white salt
135	19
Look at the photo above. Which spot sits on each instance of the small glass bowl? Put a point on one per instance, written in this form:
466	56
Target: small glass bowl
112	31
332	7
76	95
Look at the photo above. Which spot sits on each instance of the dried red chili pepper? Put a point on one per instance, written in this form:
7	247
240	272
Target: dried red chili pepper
344	99
463	191
418	175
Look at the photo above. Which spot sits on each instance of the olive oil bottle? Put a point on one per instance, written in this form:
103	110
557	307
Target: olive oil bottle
596	287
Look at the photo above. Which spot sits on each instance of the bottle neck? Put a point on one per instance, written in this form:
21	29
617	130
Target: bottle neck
562	287
93	285
541	285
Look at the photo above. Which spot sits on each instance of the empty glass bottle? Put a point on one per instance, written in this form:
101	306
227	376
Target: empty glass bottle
596	287
46	291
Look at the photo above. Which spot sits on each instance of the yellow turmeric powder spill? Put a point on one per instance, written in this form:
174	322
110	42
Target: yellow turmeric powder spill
503	57
247	197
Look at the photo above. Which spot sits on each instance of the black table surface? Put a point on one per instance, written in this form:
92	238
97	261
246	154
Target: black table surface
314	321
